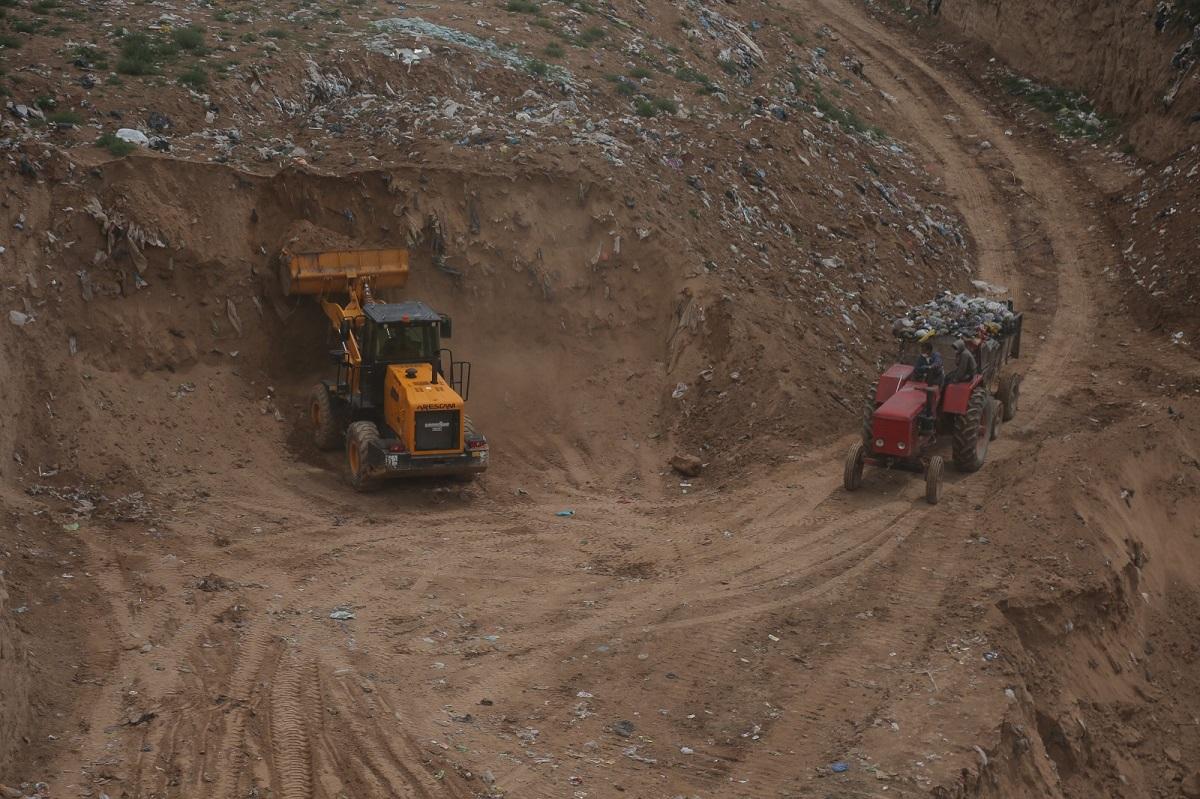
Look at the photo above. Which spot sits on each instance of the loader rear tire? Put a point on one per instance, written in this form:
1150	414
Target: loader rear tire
327	433
358	441
973	431
869	414
933	479
852	473
1010	395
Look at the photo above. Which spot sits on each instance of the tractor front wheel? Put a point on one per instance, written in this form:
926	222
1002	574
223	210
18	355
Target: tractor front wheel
933	480
1009	395
973	431
852	474
327	433
358	440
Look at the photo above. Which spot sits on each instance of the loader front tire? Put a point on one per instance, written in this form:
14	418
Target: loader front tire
358	441
327	433
973	431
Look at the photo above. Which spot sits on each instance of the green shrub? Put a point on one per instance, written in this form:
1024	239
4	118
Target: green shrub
139	54
190	38
10	42
194	78
64	118
665	105
644	107
118	147
275	33
523	7
640	73
553	50
536	67
593	34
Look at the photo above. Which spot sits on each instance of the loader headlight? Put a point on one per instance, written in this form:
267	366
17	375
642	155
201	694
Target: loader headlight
879	442
900	445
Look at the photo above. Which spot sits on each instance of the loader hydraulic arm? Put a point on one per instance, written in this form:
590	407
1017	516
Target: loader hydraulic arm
351	272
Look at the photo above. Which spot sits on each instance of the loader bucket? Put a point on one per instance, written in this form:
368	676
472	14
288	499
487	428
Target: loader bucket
334	271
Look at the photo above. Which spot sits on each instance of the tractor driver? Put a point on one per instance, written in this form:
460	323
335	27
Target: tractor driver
965	366
929	365
929	370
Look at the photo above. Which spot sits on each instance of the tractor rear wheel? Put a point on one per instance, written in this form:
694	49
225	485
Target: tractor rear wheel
973	431
327	433
852	474
933	479
358	441
1009	394
869	414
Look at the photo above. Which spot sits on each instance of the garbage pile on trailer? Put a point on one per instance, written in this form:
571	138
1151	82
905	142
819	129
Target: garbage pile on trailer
955	315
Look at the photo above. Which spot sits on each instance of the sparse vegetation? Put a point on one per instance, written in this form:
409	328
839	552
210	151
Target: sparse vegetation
64	118
1074	115
194	78
275	33
523	7
190	38
118	147
553	50
140	55
641	73
537	67
592	35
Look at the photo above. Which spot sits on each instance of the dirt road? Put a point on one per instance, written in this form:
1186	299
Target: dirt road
732	637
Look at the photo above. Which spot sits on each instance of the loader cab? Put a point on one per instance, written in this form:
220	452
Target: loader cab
402	332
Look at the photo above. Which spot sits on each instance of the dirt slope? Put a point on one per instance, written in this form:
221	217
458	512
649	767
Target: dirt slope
732	636
1122	54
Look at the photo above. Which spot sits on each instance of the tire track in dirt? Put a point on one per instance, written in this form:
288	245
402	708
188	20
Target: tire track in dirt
291	693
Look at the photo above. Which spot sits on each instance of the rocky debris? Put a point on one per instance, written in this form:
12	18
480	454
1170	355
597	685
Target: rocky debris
687	465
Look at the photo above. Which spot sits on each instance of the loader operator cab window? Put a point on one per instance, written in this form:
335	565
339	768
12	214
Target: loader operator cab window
400	342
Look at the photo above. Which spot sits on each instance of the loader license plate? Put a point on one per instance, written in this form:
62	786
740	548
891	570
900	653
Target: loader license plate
393	461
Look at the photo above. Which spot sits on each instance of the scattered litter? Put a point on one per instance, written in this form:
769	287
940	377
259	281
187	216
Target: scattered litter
679	391
341	615
565	513
133	137
19	319
623	728
72	527
990	656
839	767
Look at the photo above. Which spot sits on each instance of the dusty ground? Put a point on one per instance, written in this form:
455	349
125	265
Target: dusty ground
1034	635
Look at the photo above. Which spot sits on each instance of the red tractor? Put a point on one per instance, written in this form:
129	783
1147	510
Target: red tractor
907	413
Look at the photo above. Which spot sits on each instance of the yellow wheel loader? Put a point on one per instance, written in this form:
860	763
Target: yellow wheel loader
397	403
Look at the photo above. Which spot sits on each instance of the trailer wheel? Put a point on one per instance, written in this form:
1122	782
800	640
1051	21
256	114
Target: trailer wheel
327	433
869	414
973	431
852	474
358	441
933	479
1009	395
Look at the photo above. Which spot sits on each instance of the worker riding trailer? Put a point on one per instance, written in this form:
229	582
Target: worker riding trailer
907	414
